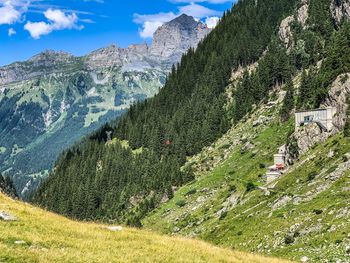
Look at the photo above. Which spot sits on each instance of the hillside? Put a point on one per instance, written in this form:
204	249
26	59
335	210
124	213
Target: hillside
187	114
193	160
305	213
54	99
39	236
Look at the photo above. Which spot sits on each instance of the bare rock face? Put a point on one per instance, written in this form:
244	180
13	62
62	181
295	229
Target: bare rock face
47	61
310	135
285	31
176	36
337	97
340	9
303	13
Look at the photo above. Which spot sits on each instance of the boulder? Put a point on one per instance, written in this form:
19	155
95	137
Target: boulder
7	217
304	259
20	242
115	228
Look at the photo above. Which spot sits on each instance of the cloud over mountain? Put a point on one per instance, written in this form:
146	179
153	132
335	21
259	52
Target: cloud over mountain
56	20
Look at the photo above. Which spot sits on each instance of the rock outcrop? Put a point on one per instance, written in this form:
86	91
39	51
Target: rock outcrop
285	31
7	217
176	36
340	9
337	97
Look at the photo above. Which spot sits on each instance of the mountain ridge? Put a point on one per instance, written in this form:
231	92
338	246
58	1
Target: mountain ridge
69	97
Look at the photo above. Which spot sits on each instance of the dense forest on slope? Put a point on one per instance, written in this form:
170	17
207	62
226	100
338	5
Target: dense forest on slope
99	180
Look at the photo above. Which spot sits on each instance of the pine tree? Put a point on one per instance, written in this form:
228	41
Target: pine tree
288	102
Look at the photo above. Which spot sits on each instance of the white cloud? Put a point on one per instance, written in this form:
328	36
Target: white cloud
57	20
60	20
211	22
38	29
11	32
150	23
198	11
8	13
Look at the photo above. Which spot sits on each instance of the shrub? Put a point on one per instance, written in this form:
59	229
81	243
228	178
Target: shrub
332	169
318	211
223	215
232	188
289	240
181	203
262	165
312	176
191	192
250	186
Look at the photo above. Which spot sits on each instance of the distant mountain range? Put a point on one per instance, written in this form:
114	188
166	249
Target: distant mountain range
52	100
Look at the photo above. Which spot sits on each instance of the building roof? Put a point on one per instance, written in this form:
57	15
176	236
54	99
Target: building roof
319	109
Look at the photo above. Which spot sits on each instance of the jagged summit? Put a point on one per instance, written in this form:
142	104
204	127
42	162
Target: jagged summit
50	55
184	20
175	37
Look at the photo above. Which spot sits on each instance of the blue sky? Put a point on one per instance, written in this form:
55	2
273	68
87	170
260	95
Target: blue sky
28	27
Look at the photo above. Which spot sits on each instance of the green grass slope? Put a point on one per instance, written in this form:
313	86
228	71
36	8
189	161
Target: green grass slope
306	214
46	237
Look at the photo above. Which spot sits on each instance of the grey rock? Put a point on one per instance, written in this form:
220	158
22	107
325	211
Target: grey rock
304	259
115	228
175	37
20	242
340	9
7	217
347	250
285	31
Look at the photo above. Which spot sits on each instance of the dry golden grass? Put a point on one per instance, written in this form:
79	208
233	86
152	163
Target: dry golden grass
52	238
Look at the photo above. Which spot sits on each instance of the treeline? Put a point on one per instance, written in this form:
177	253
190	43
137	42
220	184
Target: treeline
189	110
7	187
100	181
316	82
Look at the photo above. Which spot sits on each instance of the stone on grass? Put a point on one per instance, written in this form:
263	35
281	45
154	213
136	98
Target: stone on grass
7	217
304	259
20	242
115	228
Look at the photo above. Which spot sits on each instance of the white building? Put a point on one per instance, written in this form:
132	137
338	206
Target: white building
323	117
275	171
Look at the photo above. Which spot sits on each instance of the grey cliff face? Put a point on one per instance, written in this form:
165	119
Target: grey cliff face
176	36
340	9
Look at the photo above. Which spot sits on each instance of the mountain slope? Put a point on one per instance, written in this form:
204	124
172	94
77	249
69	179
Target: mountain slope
305	214
46	237
52	100
187	114
206	140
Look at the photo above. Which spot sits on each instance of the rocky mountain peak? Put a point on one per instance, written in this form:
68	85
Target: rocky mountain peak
51	55
175	37
185	21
